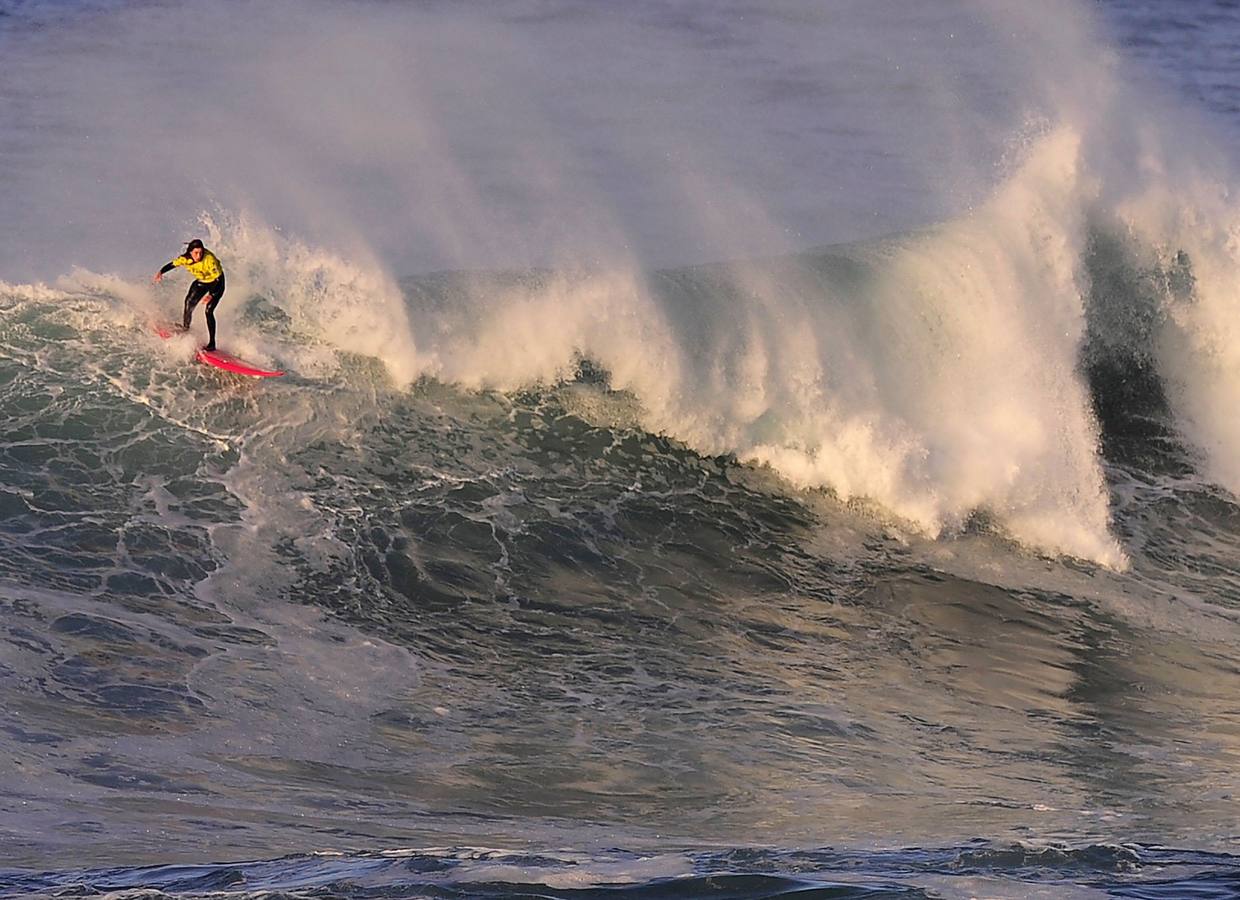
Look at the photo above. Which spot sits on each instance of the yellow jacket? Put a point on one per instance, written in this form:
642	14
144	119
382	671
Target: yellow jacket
206	269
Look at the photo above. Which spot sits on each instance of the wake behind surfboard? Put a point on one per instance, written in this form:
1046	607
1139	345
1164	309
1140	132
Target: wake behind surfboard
218	358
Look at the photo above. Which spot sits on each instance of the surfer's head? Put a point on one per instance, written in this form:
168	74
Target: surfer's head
194	249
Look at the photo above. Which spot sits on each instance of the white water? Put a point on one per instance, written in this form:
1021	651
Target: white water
388	139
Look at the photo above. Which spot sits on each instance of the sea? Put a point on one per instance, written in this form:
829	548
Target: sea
727	448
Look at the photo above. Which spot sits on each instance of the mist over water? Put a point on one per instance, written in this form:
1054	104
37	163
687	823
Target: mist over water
453	136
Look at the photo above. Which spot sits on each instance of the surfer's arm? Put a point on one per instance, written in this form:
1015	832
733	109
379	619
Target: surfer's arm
159	276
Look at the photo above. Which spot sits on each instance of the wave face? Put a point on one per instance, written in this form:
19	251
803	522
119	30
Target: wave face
804	439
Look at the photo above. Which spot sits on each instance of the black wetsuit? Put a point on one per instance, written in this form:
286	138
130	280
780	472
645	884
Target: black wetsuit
197	290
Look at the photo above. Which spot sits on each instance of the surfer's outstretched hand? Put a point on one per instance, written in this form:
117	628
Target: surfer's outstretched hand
157	278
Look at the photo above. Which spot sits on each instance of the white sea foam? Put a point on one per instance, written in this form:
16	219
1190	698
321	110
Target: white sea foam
943	385
1197	347
330	301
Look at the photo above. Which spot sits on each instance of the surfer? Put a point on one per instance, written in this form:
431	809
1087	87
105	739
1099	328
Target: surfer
208	284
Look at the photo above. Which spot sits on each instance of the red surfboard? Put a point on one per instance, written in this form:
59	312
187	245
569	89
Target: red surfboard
230	363
218	358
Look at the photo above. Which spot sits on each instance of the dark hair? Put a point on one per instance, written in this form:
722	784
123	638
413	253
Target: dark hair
195	244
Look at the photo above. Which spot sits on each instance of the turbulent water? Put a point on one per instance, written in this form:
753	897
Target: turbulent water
726	450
